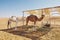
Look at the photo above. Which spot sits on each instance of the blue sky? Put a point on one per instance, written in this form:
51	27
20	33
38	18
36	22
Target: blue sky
15	7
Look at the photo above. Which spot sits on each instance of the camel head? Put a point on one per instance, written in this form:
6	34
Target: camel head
13	18
42	16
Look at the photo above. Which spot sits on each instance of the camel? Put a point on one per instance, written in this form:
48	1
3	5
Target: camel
12	19
34	18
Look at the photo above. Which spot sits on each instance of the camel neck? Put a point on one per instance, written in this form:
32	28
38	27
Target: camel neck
39	19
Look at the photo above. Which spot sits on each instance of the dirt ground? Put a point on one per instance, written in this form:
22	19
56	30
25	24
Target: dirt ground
53	34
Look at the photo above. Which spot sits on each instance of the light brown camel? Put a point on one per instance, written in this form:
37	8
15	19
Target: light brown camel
34	18
12	19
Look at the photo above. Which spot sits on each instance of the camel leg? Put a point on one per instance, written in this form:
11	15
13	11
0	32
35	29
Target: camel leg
9	24
16	25
34	23
27	22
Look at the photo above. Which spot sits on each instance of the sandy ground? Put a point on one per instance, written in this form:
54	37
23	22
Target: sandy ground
54	34
8	36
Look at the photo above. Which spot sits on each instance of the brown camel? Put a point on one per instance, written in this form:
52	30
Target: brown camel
34	18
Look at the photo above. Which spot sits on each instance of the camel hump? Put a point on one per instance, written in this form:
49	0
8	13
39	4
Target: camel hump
32	17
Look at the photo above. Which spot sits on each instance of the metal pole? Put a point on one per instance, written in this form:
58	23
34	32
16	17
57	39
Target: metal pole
23	17
49	18
42	14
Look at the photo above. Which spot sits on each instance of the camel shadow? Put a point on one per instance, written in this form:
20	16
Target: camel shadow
34	35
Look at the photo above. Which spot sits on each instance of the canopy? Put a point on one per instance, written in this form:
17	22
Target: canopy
43	10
